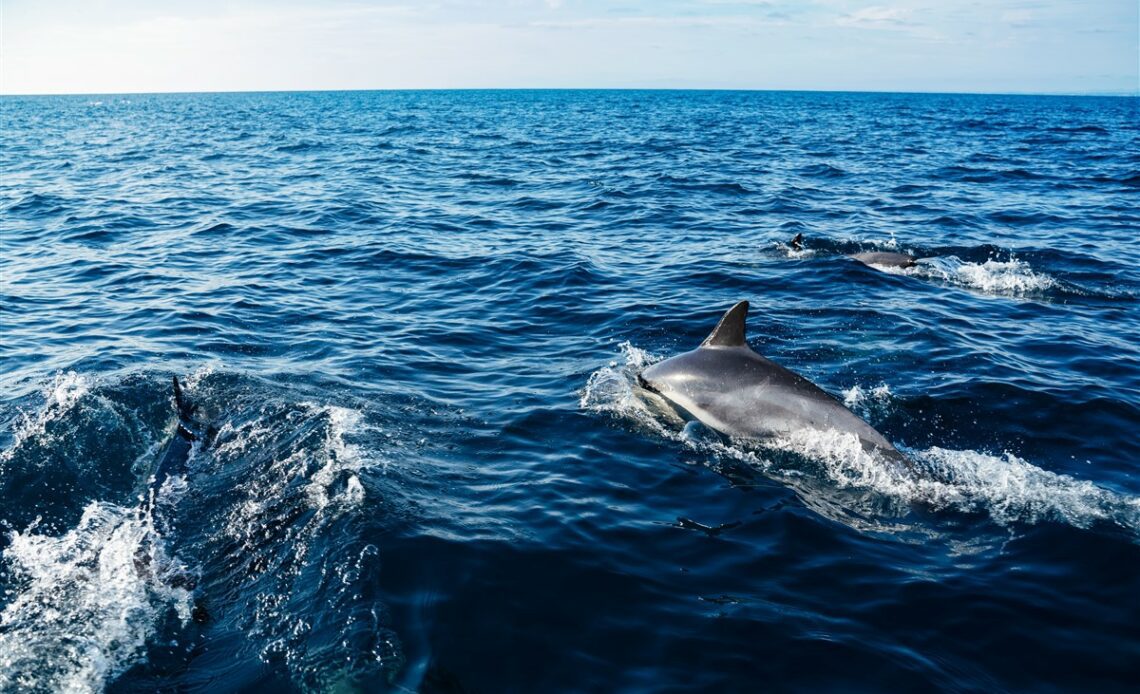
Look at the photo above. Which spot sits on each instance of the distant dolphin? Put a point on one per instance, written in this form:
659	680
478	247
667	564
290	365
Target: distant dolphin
727	386
882	259
879	258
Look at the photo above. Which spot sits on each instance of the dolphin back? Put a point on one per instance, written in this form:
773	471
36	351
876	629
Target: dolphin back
885	259
177	452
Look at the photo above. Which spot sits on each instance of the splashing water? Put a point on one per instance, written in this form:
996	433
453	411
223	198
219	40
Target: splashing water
87	601
301	481
343	460
1013	277
60	395
342	250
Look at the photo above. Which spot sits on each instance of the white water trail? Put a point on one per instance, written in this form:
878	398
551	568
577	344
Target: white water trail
1011	278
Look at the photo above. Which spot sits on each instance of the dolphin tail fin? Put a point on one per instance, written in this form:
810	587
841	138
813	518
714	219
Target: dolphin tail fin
729	332
797	242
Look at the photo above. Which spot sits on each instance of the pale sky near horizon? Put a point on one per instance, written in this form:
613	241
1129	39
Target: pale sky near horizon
108	46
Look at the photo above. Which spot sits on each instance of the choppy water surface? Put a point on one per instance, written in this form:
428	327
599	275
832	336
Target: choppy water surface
414	322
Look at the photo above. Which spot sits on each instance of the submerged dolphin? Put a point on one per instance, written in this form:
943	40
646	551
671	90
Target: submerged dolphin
734	390
177	454
173	462
872	258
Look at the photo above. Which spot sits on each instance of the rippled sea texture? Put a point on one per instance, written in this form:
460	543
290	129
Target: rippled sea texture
413	322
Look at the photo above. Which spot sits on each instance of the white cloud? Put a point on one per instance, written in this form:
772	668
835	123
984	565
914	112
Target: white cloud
878	17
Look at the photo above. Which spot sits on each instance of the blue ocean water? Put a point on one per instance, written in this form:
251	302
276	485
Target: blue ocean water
413	321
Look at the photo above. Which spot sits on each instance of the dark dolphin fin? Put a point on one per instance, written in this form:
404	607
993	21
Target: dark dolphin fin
187	426
729	332
797	242
185	409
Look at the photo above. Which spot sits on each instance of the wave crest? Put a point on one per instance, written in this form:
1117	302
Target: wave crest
60	395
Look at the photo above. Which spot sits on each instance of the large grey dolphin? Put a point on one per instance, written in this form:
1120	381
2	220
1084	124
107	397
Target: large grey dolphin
727	386
871	258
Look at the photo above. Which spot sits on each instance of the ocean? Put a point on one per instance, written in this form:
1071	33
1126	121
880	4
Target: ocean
412	323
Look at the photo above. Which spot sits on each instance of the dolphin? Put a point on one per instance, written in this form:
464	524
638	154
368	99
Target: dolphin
871	259
727	386
177	452
175	457
884	259
173	462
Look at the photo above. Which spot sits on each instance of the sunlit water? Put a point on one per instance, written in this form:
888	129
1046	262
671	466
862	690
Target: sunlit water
415	320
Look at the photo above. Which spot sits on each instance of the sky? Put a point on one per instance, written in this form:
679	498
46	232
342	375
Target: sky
1009	46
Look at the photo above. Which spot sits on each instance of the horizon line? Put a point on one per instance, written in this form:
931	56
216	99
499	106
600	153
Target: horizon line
1112	94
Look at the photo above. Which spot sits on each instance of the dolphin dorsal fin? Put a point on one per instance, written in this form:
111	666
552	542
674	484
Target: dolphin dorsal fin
729	332
185	409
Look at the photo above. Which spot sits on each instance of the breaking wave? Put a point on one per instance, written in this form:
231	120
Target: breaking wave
89	599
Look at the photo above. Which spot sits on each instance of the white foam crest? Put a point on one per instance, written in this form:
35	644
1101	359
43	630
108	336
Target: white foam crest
891	245
992	277
335	484
1012	489
858	397
173	489
844	460
342	458
87	601
232	441
206	370
1005	487
289	502
60	395
794	253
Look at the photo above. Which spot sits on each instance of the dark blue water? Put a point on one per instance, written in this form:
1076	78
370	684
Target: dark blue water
413	322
